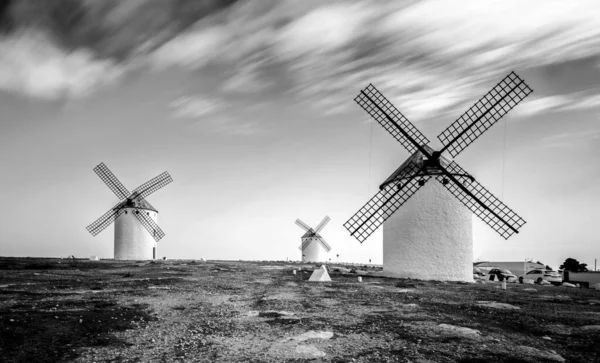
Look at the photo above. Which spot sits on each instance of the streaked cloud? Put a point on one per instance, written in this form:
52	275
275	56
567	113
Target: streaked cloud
326	29
31	64
431	58
246	79
196	106
208	114
193	49
584	102
570	139
578	101
70	48
436	49
236	127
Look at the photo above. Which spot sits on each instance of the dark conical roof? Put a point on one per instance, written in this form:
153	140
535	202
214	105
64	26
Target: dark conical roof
311	233
412	163
136	203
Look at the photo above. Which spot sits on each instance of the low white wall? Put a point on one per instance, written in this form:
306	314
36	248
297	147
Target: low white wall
430	237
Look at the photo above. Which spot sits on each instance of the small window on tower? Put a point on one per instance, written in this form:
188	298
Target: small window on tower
147	213
137	212
125	212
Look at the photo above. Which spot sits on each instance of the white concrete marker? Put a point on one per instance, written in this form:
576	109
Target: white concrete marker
504	284
320	274
294	272
359	279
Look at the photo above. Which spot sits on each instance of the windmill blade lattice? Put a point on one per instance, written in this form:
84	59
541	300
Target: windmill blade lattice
302	225
325	244
152	185
304	244
111	181
403	183
135	199
485	205
485	113
149	224
322	225
388	116
105	220
377	210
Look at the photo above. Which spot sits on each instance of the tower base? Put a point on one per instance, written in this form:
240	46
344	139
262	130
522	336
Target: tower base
429	238
314	252
132	240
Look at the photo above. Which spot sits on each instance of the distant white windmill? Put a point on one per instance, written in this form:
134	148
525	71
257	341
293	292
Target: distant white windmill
314	248
136	230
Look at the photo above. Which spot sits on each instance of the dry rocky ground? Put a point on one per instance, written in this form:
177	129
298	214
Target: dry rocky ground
55	310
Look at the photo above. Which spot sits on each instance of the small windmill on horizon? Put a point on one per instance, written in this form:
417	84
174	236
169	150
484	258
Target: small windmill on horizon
314	247
136	231
434	229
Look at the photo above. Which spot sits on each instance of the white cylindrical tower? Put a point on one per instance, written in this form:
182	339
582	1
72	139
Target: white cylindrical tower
132	240
430	237
314	252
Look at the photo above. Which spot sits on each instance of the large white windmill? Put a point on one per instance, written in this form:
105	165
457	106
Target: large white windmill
136	231
314	248
431	237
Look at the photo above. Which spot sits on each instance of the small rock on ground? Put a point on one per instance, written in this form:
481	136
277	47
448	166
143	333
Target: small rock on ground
459	329
274	314
590	329
309	350
311	334
497	305
559	329
404	290
536	353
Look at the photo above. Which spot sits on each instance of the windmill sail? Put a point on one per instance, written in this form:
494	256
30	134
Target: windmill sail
484	113
379	208
383	204
149	224
111	181
105	220
484	204
425	162
324	243
388	116
322	225
152	185
302	225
